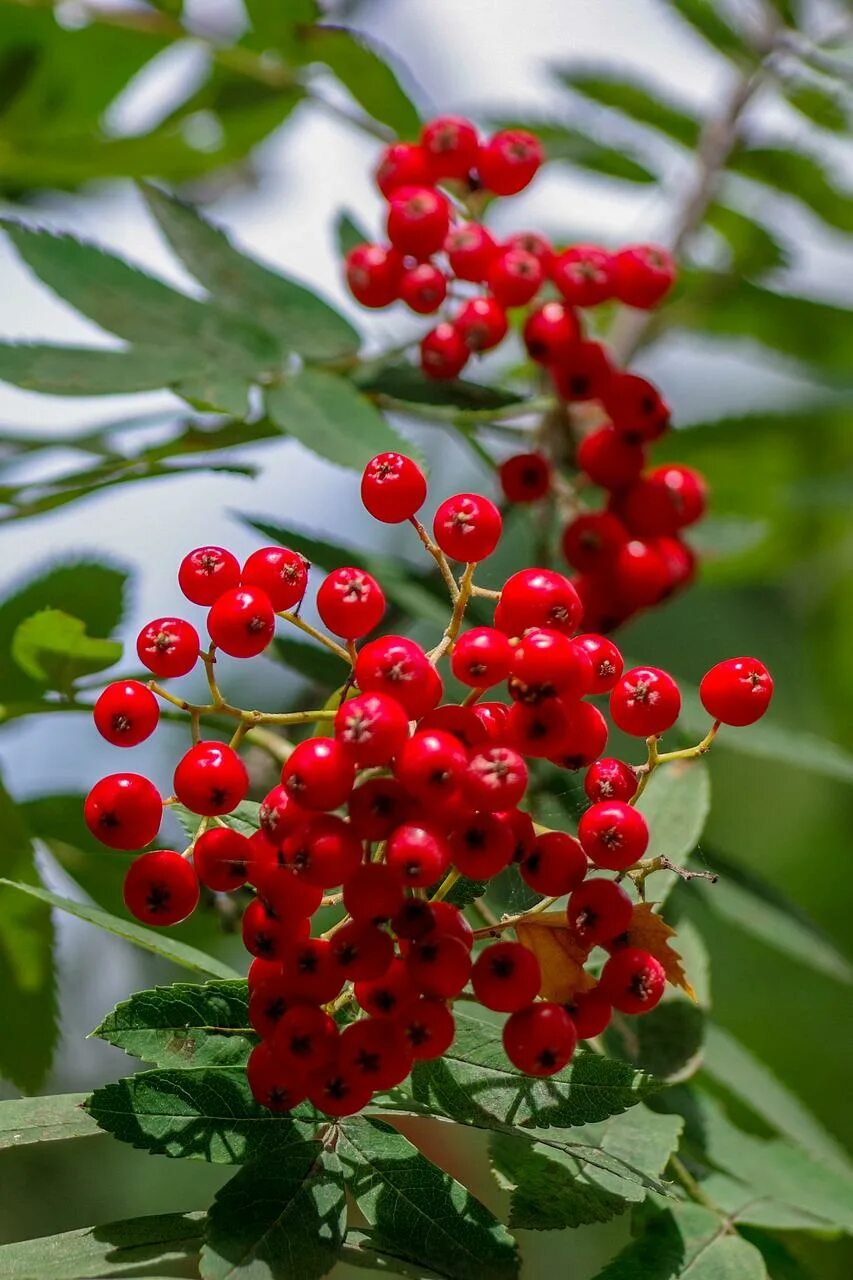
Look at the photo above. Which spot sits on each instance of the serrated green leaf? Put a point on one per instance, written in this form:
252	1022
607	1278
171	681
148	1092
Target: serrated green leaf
466	891
820	105
159	944
53	648
706	17
798	175
754	249
295	316
688	1242
360	1251
406	383
675	804
348	233
780	1262
369	78
642	101
184	1025
86	371
574	147
244	818
52	1119
417	1210
283	1219
327	415
135	1247
666	1042
205	1113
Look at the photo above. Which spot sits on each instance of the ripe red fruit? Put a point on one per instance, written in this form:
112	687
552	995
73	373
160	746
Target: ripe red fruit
373	273
431	764
374	892
583	373
324	852
205	573
539	729
384	997
267	1005
376	807
161	888
362	950
639	575
668	499
242	622
467	527
481	657
538	598
261	970
599	910
126	713
551	332
168	647
419	853
609	459
514	277
290	898
737	691
633	980
338	1093
350	602
311	974
423	288
638	411
591	541
613	834
211	779
402	164
393	488
508	162
482	324
584	739
525	477
496	779
548	663
646	701
680	561
444	352
375	1051
643	275
272	1085
540	1038
610	780
262	931
319	774
418	220
219	857
583	274
591	1012
305	1041
123	811
555	865
505	977
481	847
605	661
470	249
399	667
279	816
438	965
493	717
428	1026
372	727
450	144
281	574
532	242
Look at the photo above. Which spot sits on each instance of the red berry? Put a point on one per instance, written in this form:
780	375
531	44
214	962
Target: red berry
211	779
605	660
449	921
450	144
590	542
679	559
290	898
372	727
219	857
525	477
551	333
492	716
373	274
438	965
540	1038
640	575
374	892
539	729
585	737
123	811
423	288
376	808
444	352
319	774
431	764
481	847
168	647
281	574
599	910
643	275
496	779
523	831
467	527
306	1040
324	852
350	602
505	977
532	242
242	622
262	931
613	834
514	277
583	274
633	980
361	950
646	701
610	780
279	816
338	1093
161	888
402	164
481	657
206	572
420	854
126	713
261	970
384	997
271	1083
376	1052
482	324
418	220
548	663
428	1026
399	667
461	722
470	250
638	411
583	373
393	488
609	459
737	691
555	865
591	1012
311	973
538	598
267	1005
508	162
666	500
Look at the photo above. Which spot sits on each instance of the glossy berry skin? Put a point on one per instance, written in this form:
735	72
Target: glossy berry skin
211	779
450	144
591	541
161	888
551	332
547	662
533	242
242	622
373	273
605	661
376	1052
508	162
737	691
220	856
337	1093
639	575
583	275
584	373
669	498
610	779
262	932
267	1003
481	847
399	667
482	324
636	408
376	807
496	779
279	816
467	527
643	275
418	221
431	764
372	727
539	1039
168	647
633	980
591	1012
272	1085
393	488
362	950
514	277
505	977
461	722
613	834
319	774
324	852
423	288
470	250
205	573
281	574
539	729
428	1025
420	854
525	477
123	811
402	164
599	910
538	598
609	459
310	972
438	965
305	1041
555	865
126	713
481	657
373	893
584	739
444	352
350	602
645	701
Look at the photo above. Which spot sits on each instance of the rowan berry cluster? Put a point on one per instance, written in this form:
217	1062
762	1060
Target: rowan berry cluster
628	555
407	796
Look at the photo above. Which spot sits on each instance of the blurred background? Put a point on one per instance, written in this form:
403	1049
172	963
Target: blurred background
753	352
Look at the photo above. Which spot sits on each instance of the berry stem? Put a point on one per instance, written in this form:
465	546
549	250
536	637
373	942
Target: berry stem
695	1191
438	556
509	922
446	885
466	582
319	636
642	870
655	757
278	748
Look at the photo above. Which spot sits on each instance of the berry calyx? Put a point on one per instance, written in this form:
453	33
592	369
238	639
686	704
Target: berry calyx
467	527
242	622
204	574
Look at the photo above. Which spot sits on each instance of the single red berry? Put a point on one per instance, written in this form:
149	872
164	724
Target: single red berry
481	657
555	865
496	779
319	774
207	572
325	852
591	541
667	499
602	610
548	663
279	816
508	162
420	854
515	277
305	1041
431	764
428	1026
506	977
613	834
271	1083
123	811
423	288
451	145
399	667
459	721
643	275
481	847
449	921
438	965
211	779
377	807
610	780
418	220
633	980
375	1051
638	411
402	164
263	934
242	622
362	950
373	273
493	717
551	333
444	352
605	660
585	737
261	970
646	701
591	1012
338	1093
413	919
219	857
737	691
372	727
533	242
311	973
470	249
599	910
281	574
525	477
373	893
538	598
289	897
583	274
540	1038
161	888
467	527
267	1004
639	575
350	602
393	488
384	997
168	647
609	459
680	560
126	713
539	729
522	829
482	324
583	373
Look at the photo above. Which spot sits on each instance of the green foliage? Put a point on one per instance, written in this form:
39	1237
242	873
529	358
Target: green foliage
326	413
675	805
158	1244
183	1025
688	1241
27	1120
642	103
54	649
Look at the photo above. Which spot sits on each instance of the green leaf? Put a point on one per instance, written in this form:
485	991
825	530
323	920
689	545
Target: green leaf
205	1113
283	1219
466	891
54	649
348	233
690	1242
705	17
675	804
475	1084
327	415
84	371
820	105
667	1042
575	147
244	819
642	101
407	384
291	313
754	249
369	78
27	1120
798	175
418	1211
184	1025
135	1247
159	944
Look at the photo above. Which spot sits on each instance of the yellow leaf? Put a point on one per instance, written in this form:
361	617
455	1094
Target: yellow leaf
652	933
561	957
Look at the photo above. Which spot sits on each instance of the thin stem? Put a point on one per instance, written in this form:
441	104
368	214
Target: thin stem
461	604
509	922
446	885
302	625
694	1189
656	758
279	749
438	556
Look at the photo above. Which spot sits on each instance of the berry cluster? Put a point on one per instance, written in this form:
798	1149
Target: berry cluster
408	794
628	555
